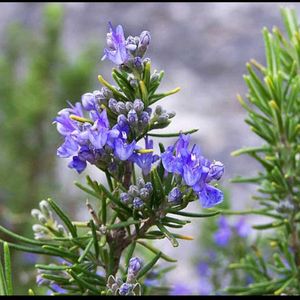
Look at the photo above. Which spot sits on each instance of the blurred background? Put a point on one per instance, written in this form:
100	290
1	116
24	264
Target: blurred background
50	53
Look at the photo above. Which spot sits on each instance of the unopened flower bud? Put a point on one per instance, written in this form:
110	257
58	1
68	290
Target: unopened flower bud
158	110
138	105
38	228
145	118
135	265
45	209
99	98
129	106
42	219
61	229
125	198
285	207
107	93
132	117
112	104
138	203
174	197
134	83
121	108
145	39
125	288
134	191
122	120
88	101
35	213
138	64
149	111
216	170
171	114
131	44
163	118
140	182
144	194
144	42
149	187
154	77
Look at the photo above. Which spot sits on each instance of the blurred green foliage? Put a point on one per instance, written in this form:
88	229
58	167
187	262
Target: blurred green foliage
37	78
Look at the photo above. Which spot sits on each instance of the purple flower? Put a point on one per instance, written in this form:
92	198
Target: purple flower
203	269
216	170
125	288
57	288
123	150
68	148
65	126
88	101
174	197
180	289
116	51
98	135
210	196
223	235
77	164
145	160
194	169
242	228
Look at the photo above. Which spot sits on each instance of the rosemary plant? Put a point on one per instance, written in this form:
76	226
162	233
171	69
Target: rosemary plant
273	114
145	194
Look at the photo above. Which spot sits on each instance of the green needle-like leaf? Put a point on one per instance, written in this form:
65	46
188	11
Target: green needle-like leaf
7	269
149	266
86	251
63	217
157	251
167	234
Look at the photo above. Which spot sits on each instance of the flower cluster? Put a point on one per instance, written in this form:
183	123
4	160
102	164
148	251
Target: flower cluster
226	231
137	195
131	113
116	286
92	139
127	52
48	226
196	171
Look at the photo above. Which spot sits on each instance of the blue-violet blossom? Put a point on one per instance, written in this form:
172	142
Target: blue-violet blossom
196	170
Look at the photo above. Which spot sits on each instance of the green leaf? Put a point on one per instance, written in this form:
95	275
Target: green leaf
3	286
115	200
129	254
194	215
123	224
7	269
149	266
174	134
167	234
20	238
144	92
158	190
86	251
250	150
157	251
95	238
147	74
87	190
115	92
269	225
59	252
51	267
63	217
157	97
